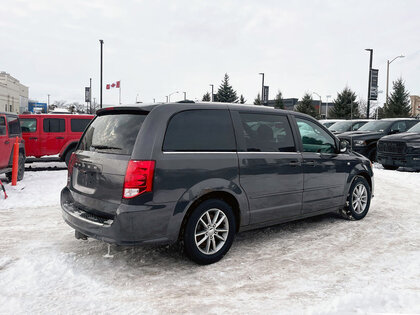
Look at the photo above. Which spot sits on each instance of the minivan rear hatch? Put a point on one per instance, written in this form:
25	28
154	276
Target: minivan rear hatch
97	178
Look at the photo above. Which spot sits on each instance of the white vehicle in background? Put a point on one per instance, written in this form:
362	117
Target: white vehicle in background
329	122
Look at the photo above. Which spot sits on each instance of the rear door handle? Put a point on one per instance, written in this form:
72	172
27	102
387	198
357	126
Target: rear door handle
59	137
6	142
310	163
33	138
294	163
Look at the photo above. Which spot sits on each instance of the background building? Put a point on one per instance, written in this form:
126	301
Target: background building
13	94
415	105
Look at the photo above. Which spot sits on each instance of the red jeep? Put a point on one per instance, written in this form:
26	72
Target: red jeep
47	134
9	130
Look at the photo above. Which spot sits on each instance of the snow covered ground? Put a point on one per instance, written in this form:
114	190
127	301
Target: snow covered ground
320	265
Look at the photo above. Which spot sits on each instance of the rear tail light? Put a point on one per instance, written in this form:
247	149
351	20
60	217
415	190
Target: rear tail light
138	178
70	167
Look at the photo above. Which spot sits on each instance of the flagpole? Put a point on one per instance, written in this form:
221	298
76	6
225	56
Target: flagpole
120	92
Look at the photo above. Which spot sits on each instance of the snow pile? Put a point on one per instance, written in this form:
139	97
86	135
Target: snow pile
321	265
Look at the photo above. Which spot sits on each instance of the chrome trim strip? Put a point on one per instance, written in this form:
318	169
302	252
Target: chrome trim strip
76	214
216	152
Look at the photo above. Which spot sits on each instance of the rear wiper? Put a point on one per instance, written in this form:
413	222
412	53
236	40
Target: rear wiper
104	147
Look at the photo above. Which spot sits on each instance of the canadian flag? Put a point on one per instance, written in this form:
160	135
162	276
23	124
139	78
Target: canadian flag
113	85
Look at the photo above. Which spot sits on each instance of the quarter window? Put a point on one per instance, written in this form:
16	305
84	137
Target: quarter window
314	138
399	126
54	125
28	124
200	130
267	133
2	126
79	125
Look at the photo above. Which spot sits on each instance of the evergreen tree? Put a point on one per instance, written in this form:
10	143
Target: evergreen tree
398	102
305	106
345	106
257	101
206	97
226	93
242	100
278	101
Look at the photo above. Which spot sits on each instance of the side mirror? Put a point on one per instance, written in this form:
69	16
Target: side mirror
394	131
344	146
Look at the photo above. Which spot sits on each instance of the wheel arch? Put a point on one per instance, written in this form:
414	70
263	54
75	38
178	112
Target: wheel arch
225	196
67	147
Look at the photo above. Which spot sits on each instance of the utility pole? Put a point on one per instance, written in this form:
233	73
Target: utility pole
262	88
212	88
370	80
100	99
326	112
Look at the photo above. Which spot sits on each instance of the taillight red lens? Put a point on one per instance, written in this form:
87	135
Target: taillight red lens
70	167
138	178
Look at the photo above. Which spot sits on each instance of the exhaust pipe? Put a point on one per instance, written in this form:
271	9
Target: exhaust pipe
80	236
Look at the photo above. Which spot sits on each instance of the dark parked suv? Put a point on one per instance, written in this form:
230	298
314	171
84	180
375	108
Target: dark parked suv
200	173
400	150
364	140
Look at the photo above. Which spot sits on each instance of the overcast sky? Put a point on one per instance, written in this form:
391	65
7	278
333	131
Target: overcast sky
158	47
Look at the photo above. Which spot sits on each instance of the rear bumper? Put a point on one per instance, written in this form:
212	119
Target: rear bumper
400	160
132	225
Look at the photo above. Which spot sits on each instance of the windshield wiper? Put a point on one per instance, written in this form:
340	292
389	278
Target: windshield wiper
104	147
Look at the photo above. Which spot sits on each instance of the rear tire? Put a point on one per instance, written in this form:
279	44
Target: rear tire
21	169
358	200
209	232
390	167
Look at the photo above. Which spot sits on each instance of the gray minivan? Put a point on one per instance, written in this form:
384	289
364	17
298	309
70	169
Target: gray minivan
199	173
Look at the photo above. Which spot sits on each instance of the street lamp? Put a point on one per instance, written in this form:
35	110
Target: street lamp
387	75
100	97
169	96
212	88
326	113
262	87
185	95
370	78
320	102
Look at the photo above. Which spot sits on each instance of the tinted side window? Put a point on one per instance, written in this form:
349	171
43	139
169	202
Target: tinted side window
28	124
54	125
314	138
200	130
2	126
267	133
79	125
14	125
358	125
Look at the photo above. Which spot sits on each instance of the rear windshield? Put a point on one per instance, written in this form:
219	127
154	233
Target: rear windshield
112	133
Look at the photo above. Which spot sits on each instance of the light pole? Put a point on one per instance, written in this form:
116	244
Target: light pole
48	100
169	96
212	88
326	113
320	102
185	95
370	78
262	87
387	76
100	98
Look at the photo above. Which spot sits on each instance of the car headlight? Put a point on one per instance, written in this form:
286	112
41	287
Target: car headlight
359	143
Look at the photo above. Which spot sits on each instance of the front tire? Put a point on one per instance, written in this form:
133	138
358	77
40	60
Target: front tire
358	200
209	232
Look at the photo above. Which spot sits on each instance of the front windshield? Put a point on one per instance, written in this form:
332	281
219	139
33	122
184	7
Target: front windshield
415	128
341	126
378	126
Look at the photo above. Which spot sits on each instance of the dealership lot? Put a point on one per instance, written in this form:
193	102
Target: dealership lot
318	265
